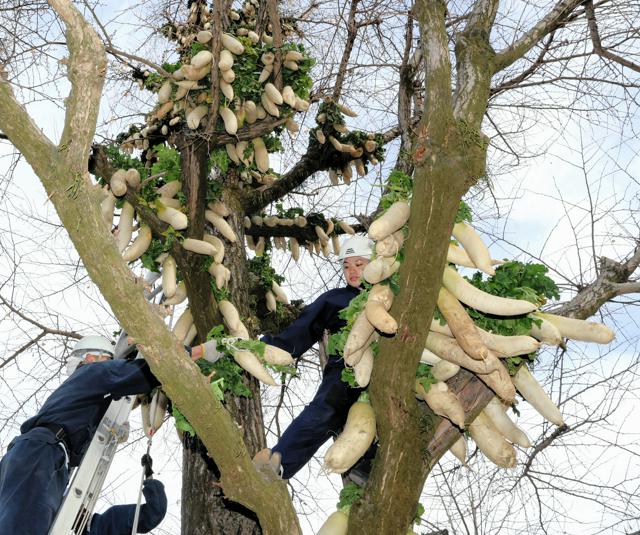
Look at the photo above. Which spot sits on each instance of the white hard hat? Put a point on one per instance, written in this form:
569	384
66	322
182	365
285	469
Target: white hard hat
356	246
92	344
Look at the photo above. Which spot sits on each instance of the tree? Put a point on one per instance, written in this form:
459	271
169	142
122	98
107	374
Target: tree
446	153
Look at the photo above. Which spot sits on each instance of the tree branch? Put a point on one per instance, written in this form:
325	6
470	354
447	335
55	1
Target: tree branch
612	281
352	31
550	22
597	44
86	71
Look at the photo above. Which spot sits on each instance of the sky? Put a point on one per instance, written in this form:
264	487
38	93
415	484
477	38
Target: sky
538	208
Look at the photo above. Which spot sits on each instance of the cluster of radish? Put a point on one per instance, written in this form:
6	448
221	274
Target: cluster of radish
332	129
327	235
168	210
459	343
185	97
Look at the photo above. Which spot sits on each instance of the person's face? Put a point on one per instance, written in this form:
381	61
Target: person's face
92	357
353	267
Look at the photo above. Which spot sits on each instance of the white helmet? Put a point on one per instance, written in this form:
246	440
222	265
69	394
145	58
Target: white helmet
98	345
356	246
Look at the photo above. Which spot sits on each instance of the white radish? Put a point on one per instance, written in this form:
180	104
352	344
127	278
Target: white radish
169	285
363	368
355	439
393	219
495	410
179	296
288	96
251	111
546	332
221	225
336	523
132	177
202	59
376	309
173	217
294	247
232	44
269	105
261	154
233	155
170	189
107	207
125	226
195	116
461	325
531	390
118	183
442	401
482	301
277	356
199	246
358	336
220	274
272	92
504	346
576	329
443	370
139	245
279	293
226	60
265	73
164	93
271	301
459	449
491	442
229	119
251	363
227	91
219	208
183	324
379	269
474	246
218	244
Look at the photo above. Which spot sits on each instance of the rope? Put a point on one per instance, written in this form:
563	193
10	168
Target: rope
146	462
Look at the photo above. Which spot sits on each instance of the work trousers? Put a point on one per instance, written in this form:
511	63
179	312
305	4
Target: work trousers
33	477
319	421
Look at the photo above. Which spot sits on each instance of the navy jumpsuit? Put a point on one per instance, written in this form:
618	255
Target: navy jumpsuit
34	472
118	519
325	416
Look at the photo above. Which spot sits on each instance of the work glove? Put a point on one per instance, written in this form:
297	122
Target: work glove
207	351
266	460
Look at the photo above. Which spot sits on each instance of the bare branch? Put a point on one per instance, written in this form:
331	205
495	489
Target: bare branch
550	22
597	44
352	31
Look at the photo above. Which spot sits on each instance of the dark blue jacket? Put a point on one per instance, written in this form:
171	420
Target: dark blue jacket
118	519
307	329
80	402
324	417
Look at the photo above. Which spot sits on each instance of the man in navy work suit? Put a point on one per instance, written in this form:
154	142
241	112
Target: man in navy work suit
118	519
327	413
35	470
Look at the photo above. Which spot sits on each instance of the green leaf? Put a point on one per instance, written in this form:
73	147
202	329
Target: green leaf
464	213
348	376
349	495
181	421
425	377
168	161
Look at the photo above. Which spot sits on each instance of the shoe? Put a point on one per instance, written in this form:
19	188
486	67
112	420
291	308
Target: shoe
359	477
